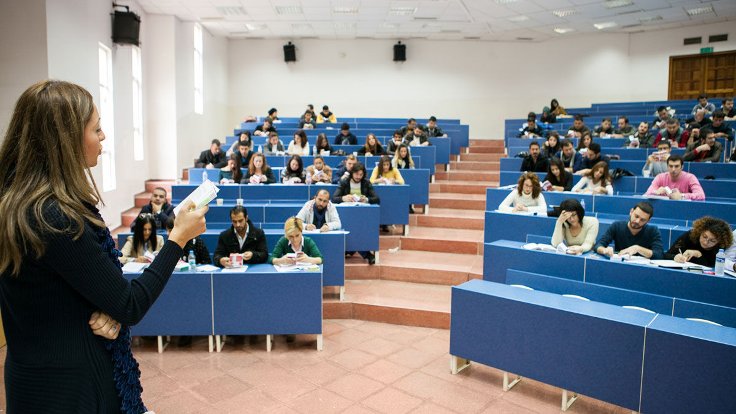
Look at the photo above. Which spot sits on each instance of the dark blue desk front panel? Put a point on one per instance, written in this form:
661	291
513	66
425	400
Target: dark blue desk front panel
363	224
428	154
394	203
689	367
418	181
719	314
442	149
332	246
671	209
180	191
501	255
184	307
591	348
264	301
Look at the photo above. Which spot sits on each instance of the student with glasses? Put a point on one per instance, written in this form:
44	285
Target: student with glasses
700	244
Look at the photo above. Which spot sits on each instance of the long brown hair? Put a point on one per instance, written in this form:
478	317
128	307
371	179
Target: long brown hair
536	187
42	162
605	178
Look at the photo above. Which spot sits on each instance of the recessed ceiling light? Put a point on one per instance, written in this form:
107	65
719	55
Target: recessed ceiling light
231	11
284	10
505	1
526	39
612	4
563	30
700	10
605	25
519	18
345	10
650	19
344	27
402	11
251	26
387	25
564	13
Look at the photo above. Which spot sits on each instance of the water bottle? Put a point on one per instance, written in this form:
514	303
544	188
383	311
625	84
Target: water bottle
260	149
192	262
314	150
720	262
204	176
582	203
309	178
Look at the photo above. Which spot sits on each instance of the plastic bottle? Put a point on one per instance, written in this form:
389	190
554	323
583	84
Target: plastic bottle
260	149
314	150
192	261
309	178
204	176
582	203
720	262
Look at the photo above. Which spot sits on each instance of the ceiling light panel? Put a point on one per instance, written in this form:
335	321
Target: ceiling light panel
604	25
698	11
402	11
614	4
563	30
288	10
231	11
344	10
564	12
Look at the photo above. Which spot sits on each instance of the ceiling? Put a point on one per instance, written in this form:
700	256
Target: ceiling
489	20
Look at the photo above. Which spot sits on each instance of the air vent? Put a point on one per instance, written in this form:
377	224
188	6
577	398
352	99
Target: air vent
231	11
718	38
525	39
693	40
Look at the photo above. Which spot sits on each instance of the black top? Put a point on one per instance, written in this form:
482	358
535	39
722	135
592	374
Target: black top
349	139
619	234
565	180
378	150
201	253
54	363
167	210
366	189
683	243
529	164
255	241
207	157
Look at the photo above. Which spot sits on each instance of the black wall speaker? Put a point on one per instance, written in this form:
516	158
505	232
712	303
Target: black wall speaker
399	52
126	26
289	53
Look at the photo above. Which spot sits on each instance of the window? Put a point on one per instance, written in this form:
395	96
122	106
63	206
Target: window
198	71
137	104
107	160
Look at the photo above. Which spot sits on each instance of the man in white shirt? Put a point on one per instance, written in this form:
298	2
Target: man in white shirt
320	214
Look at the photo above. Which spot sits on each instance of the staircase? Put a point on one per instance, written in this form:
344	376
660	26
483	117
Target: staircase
411	284
128	216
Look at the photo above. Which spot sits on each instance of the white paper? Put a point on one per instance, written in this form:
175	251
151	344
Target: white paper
134	267
206	268
676	265
201	196
539	246
241	269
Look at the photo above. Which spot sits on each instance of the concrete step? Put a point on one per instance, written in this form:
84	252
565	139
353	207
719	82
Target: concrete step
486	150
497	143
457	201
165	184
449	218
486	166
481	157
419	267
444	240
463	187
462	175
128	216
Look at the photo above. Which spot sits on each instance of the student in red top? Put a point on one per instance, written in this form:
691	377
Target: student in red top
673	133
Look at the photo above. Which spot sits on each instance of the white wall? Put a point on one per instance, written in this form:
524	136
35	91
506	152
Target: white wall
24	60
482	83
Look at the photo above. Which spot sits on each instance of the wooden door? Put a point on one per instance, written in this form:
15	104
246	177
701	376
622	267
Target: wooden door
712	74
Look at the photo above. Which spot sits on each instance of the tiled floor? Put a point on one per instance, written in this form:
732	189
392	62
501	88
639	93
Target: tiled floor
365	367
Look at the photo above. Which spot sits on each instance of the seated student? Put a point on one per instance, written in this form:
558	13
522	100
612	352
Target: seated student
231	173
624	128
705	150
700	119
196	245
721	129
258	171
243	136
676	184
158	207
411	123
584	143
531	130
591	157
633	236
293	173
644	138
552	145
578	128
372	146
676	135
605	129
557	177
431	130
396	141
657	161
319	172
569	157
693	135
274	146
385	173
556	109
322	146
320	213
574	228
662	115
727	108
356	188
416	138
307	121
547	116
243	238
526	197
211	158
244	152
402	158
310	109
299	145
345	137
264	129
326	117
534	161
294	241
703	105
144	240
273	115
700	244
596	181
343	171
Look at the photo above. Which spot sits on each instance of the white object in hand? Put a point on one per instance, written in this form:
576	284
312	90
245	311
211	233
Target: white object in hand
201	196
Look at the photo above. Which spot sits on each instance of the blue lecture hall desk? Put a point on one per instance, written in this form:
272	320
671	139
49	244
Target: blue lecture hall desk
259	301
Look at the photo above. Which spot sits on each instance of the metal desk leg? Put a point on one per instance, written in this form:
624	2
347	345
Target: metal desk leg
508	385
567	403
320	342
458	364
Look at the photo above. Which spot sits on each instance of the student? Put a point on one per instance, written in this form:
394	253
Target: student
552	145
569	157
727	108
634	236
596	181
394	144
345	137
556	109
371	146
320	213
243	136
411	124
591	157
402	158
672	132
385	173
526	197
319	172
644	138
662	115
343	171
242	238
158	207
657	161
294	242
245	152
431	130
721	129
326	117
264	129
294	171
531	130
307	121
258	171
605	129
700	244
196	245
416	138
274	146
299	145
624	128
322	145
703	105
273	115
211	158
578	128
534	161
676	184
707	149
144	240
231	173
584	143
557	177
574	228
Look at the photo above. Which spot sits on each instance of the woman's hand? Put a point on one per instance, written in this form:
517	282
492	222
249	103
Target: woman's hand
520	207
142	259
689	254
564	215
575	250
189	223
103	325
